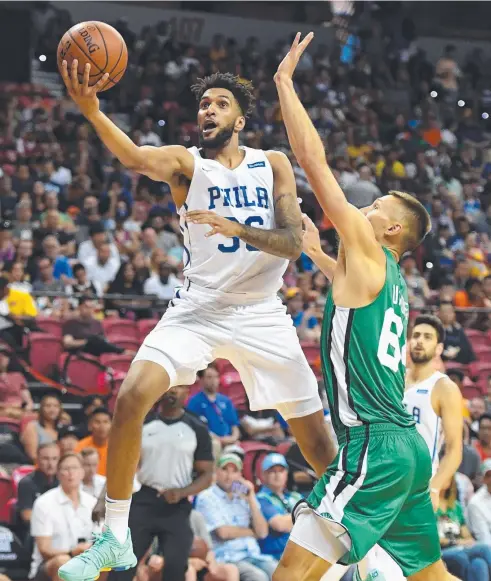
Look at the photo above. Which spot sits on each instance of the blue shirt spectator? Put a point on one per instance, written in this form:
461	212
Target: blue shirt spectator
215	409
277	504
62	267
234	520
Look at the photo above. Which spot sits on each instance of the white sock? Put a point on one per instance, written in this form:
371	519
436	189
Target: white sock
117	515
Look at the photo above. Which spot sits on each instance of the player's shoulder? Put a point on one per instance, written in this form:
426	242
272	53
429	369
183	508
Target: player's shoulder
277	158
445	388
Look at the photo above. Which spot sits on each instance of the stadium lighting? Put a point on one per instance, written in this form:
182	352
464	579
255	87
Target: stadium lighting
429	265
42	58
461	103
433	94
161	122
485	115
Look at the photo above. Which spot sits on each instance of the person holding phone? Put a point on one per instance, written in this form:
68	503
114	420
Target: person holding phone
234	519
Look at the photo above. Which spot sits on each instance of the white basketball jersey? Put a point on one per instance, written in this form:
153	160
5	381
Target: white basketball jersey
245	195
417	400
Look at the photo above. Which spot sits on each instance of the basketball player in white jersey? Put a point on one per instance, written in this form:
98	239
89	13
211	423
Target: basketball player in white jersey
434	401
241	223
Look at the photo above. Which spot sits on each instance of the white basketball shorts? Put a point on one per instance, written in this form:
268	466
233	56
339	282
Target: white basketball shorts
258	338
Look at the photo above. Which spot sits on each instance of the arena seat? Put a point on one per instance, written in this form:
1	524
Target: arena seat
6	493
472	333
311	351
116	361
254	453
120	327
44	352
144	327
224	366
479	368
19	473
129	343
82	371
483	352
50	325
284	447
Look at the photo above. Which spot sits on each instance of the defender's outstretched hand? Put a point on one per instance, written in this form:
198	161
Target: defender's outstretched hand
83	95
311	242
288	65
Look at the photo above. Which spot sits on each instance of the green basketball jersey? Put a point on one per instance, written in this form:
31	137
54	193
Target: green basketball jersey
364	356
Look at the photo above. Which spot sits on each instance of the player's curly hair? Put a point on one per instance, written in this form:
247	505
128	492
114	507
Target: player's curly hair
241	89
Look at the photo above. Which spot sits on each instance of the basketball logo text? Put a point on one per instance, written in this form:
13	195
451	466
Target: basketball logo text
87	37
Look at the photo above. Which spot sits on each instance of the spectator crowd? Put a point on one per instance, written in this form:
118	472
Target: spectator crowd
87	246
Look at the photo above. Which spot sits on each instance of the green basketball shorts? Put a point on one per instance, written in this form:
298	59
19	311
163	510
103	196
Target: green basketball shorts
375	491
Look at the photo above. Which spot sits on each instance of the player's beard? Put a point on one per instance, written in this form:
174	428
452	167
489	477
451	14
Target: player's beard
222	137
421	357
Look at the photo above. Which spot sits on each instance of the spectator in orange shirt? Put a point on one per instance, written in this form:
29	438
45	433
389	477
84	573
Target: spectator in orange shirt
99	427
472	296
483	443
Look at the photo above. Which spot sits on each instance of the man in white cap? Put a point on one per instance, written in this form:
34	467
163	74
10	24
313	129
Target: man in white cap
277	504
479	509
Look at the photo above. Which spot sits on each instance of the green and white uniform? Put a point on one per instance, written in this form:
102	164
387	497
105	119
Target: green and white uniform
377	487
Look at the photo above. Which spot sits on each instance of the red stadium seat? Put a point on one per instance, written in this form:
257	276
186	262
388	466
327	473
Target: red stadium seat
50	325
237	394
44	352
19	473
117	362
6	493
125	342
254	454
312	352
224	366
284	447
471	333
122	327
228	378
478	368
144	327
81	371
483	352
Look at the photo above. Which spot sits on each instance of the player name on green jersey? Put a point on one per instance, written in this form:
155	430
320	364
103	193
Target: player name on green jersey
364	356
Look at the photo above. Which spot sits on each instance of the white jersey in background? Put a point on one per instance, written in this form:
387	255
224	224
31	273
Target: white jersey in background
417	400
243	194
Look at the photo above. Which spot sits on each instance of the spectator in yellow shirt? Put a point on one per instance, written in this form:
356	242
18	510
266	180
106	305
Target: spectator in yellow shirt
391	160
17	310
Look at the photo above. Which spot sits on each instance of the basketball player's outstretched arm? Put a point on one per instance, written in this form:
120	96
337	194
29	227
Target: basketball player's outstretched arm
311	245
448	405
286	239
352	226
158	163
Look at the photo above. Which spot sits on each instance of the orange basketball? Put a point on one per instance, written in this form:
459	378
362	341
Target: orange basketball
100	45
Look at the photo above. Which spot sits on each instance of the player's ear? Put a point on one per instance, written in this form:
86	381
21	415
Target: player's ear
394	229
239	123
439	349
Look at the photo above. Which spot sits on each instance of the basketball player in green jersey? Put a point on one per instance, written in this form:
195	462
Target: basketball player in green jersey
377	488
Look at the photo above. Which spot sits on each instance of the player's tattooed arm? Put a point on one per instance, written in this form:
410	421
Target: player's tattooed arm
286	239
